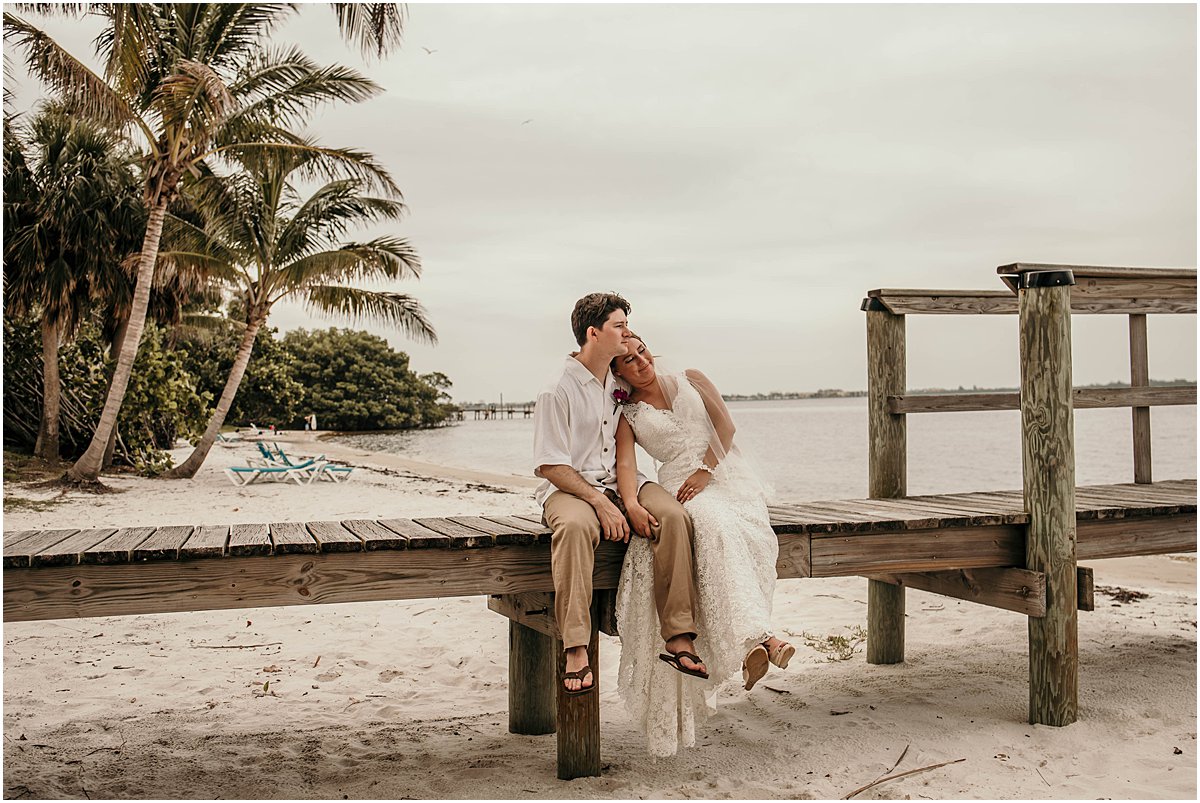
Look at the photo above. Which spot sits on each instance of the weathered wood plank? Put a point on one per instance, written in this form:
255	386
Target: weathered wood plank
249	539
205	542
818	518
1082	399
15	537
978	303
164	544
20	551
501	533
795	556
1010	589
1103	271
912	514
61	592
1086	583
419	536
292	538
1151	535
333	537
374	535
69	550
540	531
917	550
118	547
461	537
533	609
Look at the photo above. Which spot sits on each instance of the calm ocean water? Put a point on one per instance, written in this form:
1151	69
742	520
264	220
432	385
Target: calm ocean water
817	448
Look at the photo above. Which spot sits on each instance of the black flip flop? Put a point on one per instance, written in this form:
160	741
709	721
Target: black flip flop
580	675
672	658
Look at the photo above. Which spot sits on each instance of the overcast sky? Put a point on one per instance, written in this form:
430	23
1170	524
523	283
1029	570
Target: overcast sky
744	174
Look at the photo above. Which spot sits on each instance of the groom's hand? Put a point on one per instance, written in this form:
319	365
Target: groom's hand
612	521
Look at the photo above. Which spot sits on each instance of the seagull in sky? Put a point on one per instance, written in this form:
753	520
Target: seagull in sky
530	120
427	50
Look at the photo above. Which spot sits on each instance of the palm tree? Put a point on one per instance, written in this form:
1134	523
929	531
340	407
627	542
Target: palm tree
72	211
194	81
272	244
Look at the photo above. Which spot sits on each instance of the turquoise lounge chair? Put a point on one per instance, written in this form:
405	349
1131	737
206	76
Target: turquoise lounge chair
302	474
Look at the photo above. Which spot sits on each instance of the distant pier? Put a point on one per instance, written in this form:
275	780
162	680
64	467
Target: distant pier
490	412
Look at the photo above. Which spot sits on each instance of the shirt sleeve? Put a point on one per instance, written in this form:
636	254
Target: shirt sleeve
551	432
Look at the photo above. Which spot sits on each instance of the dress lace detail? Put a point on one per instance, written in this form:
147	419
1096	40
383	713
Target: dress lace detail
735	556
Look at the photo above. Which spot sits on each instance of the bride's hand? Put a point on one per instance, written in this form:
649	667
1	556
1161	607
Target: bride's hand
641	519
693	485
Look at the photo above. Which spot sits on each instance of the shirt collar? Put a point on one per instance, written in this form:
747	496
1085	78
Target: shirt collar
582	375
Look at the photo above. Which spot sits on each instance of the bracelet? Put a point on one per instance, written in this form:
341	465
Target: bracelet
704	467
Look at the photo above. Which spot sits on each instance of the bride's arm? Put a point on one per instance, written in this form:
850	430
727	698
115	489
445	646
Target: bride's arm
627	480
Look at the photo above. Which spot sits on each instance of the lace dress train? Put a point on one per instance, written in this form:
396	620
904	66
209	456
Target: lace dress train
735	555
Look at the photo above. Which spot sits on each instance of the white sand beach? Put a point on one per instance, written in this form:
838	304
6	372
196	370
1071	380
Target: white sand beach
409	699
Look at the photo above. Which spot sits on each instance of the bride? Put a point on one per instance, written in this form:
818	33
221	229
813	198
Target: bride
682	422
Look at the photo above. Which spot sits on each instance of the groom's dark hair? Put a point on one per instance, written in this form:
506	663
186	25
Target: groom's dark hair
593	310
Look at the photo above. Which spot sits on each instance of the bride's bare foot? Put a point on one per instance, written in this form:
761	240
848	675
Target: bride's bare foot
683	643
577	659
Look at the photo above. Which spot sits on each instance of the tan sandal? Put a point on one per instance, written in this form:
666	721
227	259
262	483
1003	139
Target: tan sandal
781	654
754	667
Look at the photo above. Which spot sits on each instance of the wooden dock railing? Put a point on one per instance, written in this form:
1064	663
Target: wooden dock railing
1044	297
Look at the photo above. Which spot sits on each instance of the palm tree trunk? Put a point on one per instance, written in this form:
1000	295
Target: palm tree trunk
47	442
118	341
87	468
188	468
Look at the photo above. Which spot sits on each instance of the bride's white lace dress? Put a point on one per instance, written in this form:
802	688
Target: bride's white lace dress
735	556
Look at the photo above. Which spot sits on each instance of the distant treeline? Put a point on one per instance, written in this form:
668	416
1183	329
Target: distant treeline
351	380
837	393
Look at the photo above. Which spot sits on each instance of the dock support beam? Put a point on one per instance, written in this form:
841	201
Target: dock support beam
888	464
579	717
1139	377
531	671
1048	469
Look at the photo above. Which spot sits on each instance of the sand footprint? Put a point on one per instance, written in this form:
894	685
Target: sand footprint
388	675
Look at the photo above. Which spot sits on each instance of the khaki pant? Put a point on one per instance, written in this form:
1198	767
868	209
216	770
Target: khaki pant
572	556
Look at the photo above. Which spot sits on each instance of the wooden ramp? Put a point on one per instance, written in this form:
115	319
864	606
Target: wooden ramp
58	574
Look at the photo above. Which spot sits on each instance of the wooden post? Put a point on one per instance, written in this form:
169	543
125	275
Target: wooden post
1139	377
579	717
888	469
1048	469
531	672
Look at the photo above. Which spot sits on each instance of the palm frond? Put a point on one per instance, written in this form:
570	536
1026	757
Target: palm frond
192	99
329	213
284	85
226	33
381	258
402	311
324	162
376	28
79	87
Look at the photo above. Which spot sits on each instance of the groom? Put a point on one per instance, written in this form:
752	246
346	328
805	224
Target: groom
574	446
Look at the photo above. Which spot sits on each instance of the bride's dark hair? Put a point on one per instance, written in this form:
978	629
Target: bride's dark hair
612	366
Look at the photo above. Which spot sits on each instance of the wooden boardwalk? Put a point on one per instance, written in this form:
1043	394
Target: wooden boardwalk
109	571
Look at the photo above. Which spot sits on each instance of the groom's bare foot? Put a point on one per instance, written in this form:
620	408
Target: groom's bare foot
577	658
683	643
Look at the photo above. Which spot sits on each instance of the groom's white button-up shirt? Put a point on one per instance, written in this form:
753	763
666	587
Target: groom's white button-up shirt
575	424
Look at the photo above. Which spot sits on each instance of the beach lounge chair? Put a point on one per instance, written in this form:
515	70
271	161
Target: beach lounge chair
281	456
232	437
334	473
301	474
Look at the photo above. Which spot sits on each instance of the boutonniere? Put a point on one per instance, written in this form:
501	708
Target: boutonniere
620	396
